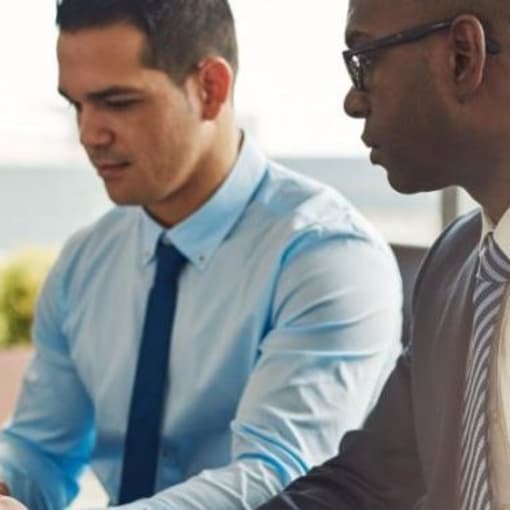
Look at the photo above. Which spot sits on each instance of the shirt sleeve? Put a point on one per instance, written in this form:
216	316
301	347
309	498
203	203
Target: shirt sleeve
333	337
42	452
377	467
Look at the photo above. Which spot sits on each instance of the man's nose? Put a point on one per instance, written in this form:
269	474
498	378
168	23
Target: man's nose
356	104
93	128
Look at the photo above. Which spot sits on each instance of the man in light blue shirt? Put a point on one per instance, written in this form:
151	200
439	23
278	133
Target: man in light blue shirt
288	307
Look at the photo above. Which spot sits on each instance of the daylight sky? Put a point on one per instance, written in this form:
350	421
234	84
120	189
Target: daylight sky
290	89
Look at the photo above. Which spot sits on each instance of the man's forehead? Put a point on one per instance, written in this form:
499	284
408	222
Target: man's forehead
374	18
363	8
99	61
118	41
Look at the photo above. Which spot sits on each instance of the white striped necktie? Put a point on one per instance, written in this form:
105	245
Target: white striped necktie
492	278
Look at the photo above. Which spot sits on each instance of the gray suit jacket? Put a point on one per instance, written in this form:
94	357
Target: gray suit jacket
406	456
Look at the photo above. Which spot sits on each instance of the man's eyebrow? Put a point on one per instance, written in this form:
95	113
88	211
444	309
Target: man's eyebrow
355	36
101	95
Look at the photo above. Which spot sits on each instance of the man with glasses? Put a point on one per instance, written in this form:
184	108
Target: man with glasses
186	345
431	80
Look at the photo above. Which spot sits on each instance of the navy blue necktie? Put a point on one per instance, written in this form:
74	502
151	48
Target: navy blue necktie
141	447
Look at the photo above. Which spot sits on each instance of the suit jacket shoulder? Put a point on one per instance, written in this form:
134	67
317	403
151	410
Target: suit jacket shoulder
457	240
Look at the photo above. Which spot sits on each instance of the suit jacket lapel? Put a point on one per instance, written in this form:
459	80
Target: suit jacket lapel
448	353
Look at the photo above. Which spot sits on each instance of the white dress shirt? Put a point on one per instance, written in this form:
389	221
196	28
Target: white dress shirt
499	383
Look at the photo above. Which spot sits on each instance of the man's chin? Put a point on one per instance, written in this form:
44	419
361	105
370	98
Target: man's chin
399	181
403	187
8	503
119	198
407	180
403	183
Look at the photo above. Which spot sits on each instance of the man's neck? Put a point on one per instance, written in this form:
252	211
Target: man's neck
211	173
494	197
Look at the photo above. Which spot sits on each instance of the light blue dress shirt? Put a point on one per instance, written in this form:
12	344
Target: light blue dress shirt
287	323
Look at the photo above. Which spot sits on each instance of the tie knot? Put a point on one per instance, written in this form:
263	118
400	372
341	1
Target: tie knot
494	265
169	261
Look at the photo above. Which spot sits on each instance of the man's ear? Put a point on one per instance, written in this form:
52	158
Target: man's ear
467	40
215	79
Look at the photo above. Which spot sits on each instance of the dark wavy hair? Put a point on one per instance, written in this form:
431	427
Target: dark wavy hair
179	33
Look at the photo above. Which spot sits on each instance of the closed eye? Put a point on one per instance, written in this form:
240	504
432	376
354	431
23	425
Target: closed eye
121	104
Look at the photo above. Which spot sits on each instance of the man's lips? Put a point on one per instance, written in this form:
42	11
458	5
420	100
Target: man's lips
110	168
374	149
369	143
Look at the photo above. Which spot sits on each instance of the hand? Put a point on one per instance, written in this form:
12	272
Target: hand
7	503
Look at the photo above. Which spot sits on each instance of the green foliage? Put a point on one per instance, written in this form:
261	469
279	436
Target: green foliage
21	277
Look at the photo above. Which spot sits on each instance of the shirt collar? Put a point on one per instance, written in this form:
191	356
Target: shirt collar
501	230
200	235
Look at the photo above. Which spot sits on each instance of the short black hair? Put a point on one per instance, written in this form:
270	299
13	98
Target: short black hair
179	33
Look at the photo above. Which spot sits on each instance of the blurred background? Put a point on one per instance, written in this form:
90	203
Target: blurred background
289	97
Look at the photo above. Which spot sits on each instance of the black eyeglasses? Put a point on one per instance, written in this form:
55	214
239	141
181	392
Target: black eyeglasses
357	60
